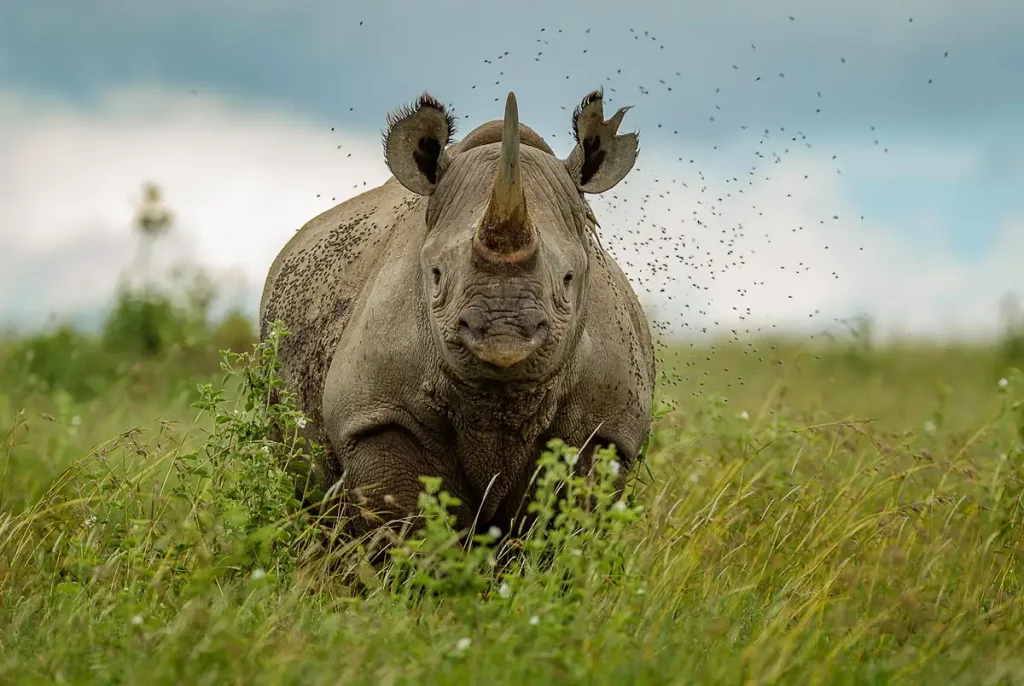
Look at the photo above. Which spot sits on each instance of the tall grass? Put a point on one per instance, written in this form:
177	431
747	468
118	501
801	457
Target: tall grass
801	516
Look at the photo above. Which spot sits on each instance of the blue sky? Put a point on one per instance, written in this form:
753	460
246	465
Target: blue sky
935	83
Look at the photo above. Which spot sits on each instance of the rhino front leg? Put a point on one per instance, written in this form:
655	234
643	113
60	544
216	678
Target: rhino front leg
380	484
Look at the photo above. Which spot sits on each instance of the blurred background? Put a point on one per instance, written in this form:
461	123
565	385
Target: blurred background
809	171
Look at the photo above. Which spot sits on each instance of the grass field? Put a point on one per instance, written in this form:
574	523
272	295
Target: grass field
807	513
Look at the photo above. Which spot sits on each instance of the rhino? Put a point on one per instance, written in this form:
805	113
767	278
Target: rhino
452	321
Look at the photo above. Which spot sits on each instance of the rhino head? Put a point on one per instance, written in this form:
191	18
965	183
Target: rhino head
504	257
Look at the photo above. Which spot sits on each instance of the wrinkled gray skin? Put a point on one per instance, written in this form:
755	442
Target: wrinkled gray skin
453	320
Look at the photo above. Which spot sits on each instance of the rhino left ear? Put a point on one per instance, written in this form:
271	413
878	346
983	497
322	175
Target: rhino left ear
601	158
415	142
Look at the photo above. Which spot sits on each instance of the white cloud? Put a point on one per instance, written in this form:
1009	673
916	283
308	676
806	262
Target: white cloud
242	178
792	252
239	181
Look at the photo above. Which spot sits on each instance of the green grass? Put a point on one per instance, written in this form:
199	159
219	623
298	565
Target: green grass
807	513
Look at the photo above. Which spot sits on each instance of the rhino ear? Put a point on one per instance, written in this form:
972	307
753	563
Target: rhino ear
415	142
601	157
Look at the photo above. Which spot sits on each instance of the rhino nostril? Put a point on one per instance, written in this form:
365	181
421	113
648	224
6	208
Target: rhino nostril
540	330
477	330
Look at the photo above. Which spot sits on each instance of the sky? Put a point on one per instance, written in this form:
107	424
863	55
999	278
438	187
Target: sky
802	162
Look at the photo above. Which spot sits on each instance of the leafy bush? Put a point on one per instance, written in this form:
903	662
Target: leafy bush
143	326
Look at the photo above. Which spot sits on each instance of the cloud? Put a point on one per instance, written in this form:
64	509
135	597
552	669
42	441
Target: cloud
741	247
791	249
331	58
241	181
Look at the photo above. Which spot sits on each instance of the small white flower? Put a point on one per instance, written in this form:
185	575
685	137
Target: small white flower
504	590
137	620
494	532
266	450
930	427
614	466
258	574
76	420
640	591
1003	383
534	620
90	521
744	415
463	644
619	505
694	477
301	421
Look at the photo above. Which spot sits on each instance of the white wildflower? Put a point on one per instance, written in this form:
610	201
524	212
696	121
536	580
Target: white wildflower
90	521
694	478
614	466
301	421
930	427
1003	383
505	591
534	620
640	591
619	505
258	574
744	415
494	532
463	643
137	620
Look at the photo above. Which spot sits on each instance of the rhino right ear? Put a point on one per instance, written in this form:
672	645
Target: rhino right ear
415	142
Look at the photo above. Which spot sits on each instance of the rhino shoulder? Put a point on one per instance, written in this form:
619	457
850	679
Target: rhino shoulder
330	248
316	281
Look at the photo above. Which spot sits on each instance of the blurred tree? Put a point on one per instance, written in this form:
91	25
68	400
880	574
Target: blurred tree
143	319
152	221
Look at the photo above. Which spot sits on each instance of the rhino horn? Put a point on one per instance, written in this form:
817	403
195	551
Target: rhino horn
506	233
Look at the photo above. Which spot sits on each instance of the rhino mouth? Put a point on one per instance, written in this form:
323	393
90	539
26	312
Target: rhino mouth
503	350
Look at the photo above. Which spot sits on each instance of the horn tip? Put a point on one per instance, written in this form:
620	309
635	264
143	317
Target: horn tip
511	106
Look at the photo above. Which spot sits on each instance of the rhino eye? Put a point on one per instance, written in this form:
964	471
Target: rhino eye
567	279
436	273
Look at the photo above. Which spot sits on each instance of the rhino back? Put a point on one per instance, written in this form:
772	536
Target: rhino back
315	285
